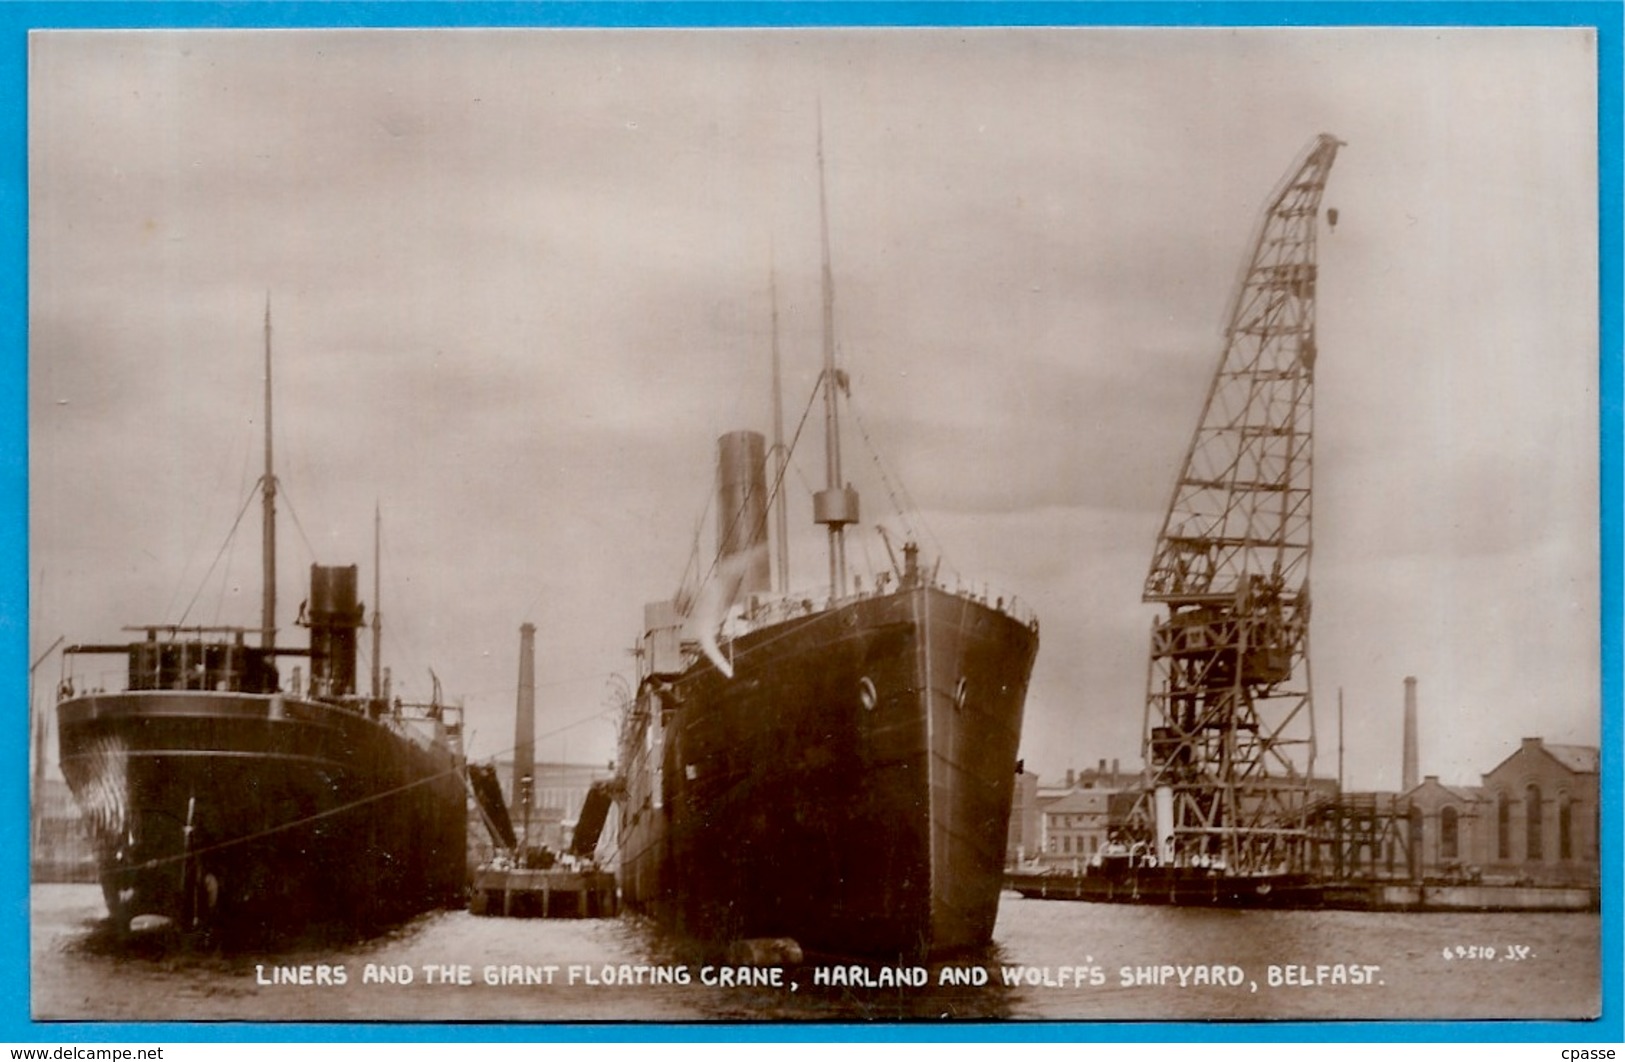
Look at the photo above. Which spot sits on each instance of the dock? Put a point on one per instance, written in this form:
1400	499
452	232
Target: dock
527	881
557	892
1410	896
1303	892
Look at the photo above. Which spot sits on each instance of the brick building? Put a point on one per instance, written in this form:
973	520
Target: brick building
1533	819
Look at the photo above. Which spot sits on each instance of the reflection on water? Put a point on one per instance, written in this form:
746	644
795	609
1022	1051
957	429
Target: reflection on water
1051	960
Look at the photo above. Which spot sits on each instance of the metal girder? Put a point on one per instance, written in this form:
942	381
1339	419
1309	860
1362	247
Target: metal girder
1229	721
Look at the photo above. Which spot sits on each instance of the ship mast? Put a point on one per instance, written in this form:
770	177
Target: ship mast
268	526
377	612
781	528
836	505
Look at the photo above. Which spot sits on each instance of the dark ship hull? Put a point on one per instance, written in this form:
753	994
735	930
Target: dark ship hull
849	787
255	813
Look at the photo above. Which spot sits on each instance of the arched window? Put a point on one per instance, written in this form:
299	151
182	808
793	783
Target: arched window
1449	834
1565	827
1503	826
1416	861
1532	821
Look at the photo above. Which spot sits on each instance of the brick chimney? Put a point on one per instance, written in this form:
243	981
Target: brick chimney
1408	769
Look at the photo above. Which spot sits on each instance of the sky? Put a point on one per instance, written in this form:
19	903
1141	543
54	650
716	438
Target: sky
520	282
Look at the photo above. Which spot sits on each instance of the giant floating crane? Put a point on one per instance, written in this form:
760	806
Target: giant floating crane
1229	723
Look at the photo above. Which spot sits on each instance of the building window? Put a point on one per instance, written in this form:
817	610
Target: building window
1532	822
1449	834
1415	861
1565	827
1503	827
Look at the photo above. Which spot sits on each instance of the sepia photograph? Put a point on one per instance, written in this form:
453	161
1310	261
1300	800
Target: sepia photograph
815	525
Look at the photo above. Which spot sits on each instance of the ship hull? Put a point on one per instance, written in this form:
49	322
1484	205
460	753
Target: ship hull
252	814
849	787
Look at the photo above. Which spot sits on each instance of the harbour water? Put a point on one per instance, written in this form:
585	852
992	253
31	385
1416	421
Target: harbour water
1054	961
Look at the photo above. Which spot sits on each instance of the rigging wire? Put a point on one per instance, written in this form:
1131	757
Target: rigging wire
894	487
225	578
294	515
197	539
230	541
772	495
868	561
692	565
204	581
801	473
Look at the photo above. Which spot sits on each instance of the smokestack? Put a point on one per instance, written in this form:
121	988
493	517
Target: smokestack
524	727
742	508
1408	772
334	615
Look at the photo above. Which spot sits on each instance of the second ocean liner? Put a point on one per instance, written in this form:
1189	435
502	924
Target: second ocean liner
836	769
224	800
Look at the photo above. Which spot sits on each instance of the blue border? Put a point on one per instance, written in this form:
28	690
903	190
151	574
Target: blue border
16	19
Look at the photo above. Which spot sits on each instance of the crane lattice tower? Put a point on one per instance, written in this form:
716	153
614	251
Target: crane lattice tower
1229	722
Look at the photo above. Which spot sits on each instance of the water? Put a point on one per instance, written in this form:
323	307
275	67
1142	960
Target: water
1071	961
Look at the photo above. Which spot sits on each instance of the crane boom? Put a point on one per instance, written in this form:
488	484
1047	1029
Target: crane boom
1241	504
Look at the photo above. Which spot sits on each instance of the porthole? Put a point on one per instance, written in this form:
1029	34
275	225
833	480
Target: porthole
867	695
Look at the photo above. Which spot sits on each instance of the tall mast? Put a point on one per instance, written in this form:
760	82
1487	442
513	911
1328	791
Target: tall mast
268	527
377	611
836	505
781	517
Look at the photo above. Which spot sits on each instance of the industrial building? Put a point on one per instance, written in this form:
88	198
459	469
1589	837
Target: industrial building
1531	819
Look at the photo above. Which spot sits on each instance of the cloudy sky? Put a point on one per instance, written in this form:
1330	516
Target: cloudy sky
521	281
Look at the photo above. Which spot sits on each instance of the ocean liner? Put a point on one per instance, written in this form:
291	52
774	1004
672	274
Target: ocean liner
835	769
226	801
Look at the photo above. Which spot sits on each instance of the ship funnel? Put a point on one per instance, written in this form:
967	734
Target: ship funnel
334	616
742	508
